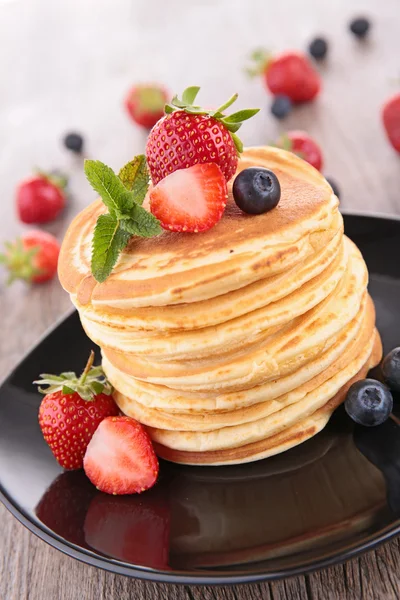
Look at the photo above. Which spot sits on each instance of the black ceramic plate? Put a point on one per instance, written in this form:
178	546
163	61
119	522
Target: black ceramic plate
320	503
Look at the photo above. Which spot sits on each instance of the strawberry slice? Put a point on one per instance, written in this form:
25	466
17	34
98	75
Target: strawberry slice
120	458
190	200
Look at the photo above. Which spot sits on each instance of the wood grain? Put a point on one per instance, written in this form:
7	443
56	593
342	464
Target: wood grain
66	65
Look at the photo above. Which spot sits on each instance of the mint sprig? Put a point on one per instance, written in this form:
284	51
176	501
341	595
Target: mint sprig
231	122
123	195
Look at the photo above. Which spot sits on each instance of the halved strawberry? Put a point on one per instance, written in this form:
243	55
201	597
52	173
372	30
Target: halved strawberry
190	200
120	458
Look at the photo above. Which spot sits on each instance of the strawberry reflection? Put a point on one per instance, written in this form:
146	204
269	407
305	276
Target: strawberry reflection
64	506
134	529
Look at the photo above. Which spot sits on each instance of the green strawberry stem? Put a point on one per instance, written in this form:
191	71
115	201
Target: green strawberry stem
261	59
231	122
58	179
91	383
86	370
20	261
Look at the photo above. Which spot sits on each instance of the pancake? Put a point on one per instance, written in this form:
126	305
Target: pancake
223	307
286	439
230	335
294	344
178	401
171	269
209	421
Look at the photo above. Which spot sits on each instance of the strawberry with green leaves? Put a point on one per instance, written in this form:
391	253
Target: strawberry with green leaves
289	74
145	103
189	135
32	258
72	410
123	196
302	144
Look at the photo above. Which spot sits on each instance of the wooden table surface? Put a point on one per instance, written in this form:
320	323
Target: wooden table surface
66	65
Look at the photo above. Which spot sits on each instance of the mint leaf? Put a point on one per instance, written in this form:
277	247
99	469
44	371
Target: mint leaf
141	222
111	189
108	241
135	177
190	94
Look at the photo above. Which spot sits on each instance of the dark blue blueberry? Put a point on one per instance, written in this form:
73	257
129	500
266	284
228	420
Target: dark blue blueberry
281	106
318	48
369	402
256	190
391	369
74	142
334	186
360	27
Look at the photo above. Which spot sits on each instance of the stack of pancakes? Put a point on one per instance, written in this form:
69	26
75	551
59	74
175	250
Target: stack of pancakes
238	343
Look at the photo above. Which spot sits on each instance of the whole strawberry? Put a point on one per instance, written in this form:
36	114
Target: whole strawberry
145	104
391	120
189	135
290	74
41	198
303	145
71	411
32	258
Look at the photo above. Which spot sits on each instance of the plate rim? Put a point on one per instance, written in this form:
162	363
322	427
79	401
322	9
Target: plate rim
198	577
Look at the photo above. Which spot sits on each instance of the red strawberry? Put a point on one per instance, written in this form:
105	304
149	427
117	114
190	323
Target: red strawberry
131	528
71	411
120	458
145	104
41	198
304	146
290	73
33	257
189	135
391	120
190	200
64	505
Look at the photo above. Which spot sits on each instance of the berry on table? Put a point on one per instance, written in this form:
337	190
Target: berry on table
73	142
318	48
145	103
40	198
71	411
32	258
360	27
334	186
189	135
281	106
256	190
120	457
369	402
303	145
391	369
290	74
190	200
391	120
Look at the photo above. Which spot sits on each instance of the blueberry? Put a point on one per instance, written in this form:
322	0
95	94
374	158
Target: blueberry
360	27
334	186
74	142
256	190
318	48
369	402
391	369
281	106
